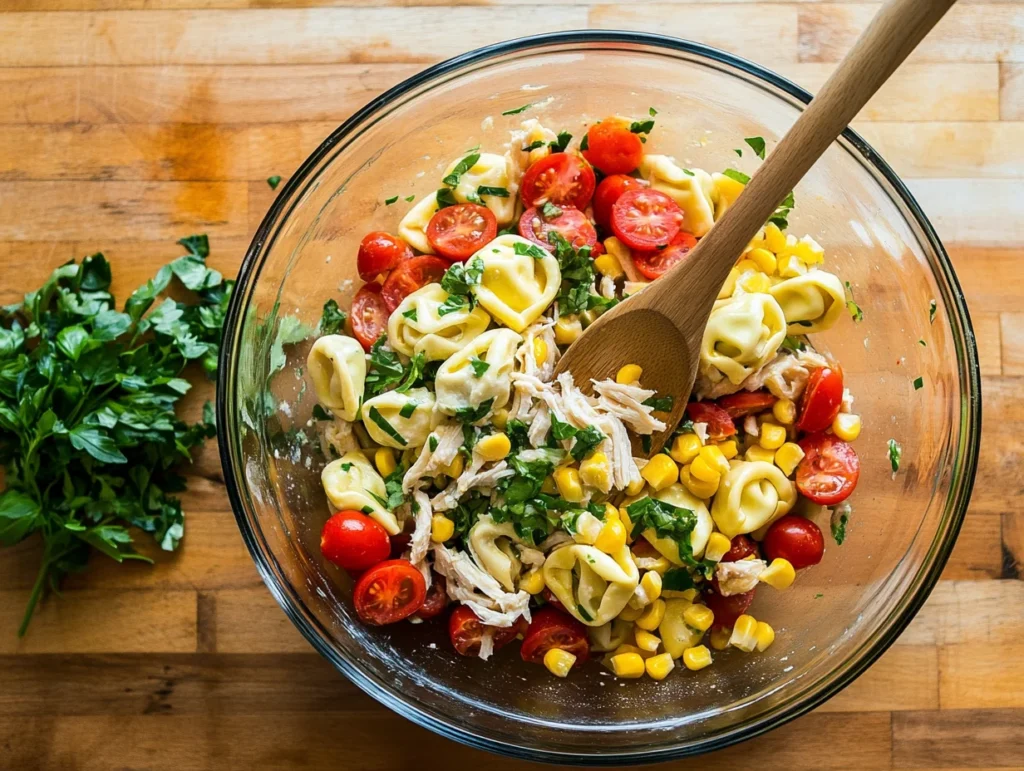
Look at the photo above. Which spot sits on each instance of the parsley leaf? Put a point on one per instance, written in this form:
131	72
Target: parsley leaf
534	145
414	374
461	168
319	413
332	320
479	366
410	314
652	112
791	343
677	580
895	455
383	370
562	142
461	277
446	198
474	414
586	440
642	127
274	181
838	521
454	303
497	192
391	200
918	383
518	110
660	403
549	211
757	144
739	176
387	428
932	308
855	312
530	250
585	143
410	198
669	521
408	409
518	434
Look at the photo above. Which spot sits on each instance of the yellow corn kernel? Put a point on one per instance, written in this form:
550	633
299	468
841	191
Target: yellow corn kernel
757	452
635	488
779	575
629	374
532	582
567	330
494	447
788	457
612	537
729	450
626	523
628	665
441	528
809	251
548	486
651	583
660	472
696	486
784	411
697	657
567	480
454	468
718	546
629	613
646	641
659	666
764	260
699	617
715	458
774	238
791	267
685	448
384	459
652	616
610	512
846	426
540	350
607	265
720	638
500	418
771	436
754	282
702	471
596	471
744	633
559	662
747	266
764	634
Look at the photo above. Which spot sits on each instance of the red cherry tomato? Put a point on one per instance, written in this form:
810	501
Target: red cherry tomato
821	400
655	264
720	425
597	250
379	252
552	628
465	631
353	541
560	178
436	600
553	601
612	147
829	470
642	548
458	231
369	315
570	223
608	192
646	219
409	276
740	547
726	609
795	539
388	592
746	403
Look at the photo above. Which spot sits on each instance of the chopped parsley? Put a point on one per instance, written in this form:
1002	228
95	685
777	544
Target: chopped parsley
669	521
932	308
497	192
781	216
410	198
549	211
391	200
529	250
739	176
585	143
918	383
473	414
463	276
454	303
793	343
518	434
445	197
922	343
414	373
274	181
577	275
757	145
346	466
393	485
534	145
319	413
461	168
410	314
586	440
479	366
819	595
561	430
651	111
660	403
384	368
895	455
677	580
562	142
518	110
855	312
332	320
408	409
642	127
386	427
738	151
840	518
432	442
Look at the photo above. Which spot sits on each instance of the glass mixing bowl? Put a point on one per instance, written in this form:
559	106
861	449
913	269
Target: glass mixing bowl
838	617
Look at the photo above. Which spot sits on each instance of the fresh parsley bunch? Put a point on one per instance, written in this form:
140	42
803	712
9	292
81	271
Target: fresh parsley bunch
88	434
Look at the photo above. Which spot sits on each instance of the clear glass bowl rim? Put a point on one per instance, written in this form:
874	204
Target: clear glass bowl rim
956	503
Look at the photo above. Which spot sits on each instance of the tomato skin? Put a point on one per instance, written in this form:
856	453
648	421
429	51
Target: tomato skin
369	315
379	252
409	276
726	609
353	541
465	631
553	601
796	539
657	263
436	600
456	232
645	219
745	403
720	425
821	399
612	147
608	192
571	224
741	547
561	178
388	592
829	471
551	628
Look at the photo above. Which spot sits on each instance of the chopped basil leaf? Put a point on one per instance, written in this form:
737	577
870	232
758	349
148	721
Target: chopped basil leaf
414	374
346	466
738	152
641	127
757	145
549	211
669	521
391	200
461	277
652	112
410	314
660	403
382	501
473	414
918	383
332	320
895	454
534	145
410	198
922	343
585	143
819	595
367	510
688	173
739	176
319	413
479	366
645	444
529	250
685	427
559	145
791	343
274	181
932	308
586	440
454	303
461	168
497	192
518	434
583	613
855	312
518	110
408	409
840	517
445	198
677	580
432	442
561	430
384	368
386	427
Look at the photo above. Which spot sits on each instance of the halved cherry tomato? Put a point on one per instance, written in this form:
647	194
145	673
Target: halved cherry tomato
795	539
829	470
656	263
353	541
553	601
612	147
720	425
608	192
465	631
369	315
552	628
570	223
726	609
436	600
388	592
597	250
646	219
379	252
747	403
458	231
741	547
409	276
821	400
561	178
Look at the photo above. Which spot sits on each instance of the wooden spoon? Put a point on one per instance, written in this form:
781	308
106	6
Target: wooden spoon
661	328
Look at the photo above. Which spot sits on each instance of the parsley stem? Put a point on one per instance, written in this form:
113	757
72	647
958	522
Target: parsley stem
37	592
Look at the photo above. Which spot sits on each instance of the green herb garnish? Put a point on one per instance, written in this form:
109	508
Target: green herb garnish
274	181
408	409
332	320
479	366
651	111
918	383
461	277
386	427
391	200
855	312
583	613
660	403
414	373
410	314
529	250
739	176
461	168
791	343
669	521
534	145
586	440
319	413
518	110
549	211
585	143
473	414
932	308
738	152
922	343
432	442
445	198
562	142
384	368
497	192
838	521
757	145
454	303
677	580
410	198
641	127
895	454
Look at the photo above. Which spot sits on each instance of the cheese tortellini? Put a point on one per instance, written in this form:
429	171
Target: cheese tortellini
413	227
679	496
478	372
692	189
493	546
593	586
727	190
337	365
812	302
400	420
676	634
516	287
490	170
751	495
416	325
743	333
351	482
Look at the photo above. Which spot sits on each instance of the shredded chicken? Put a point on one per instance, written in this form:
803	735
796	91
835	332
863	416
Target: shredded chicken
486	644
419	545
430	463
338	436
750	425
473	478
627	403
470	584
539	426
607	288
531	557
531	375
738	577
701	430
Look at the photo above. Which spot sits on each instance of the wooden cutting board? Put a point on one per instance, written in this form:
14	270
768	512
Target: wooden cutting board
125	124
